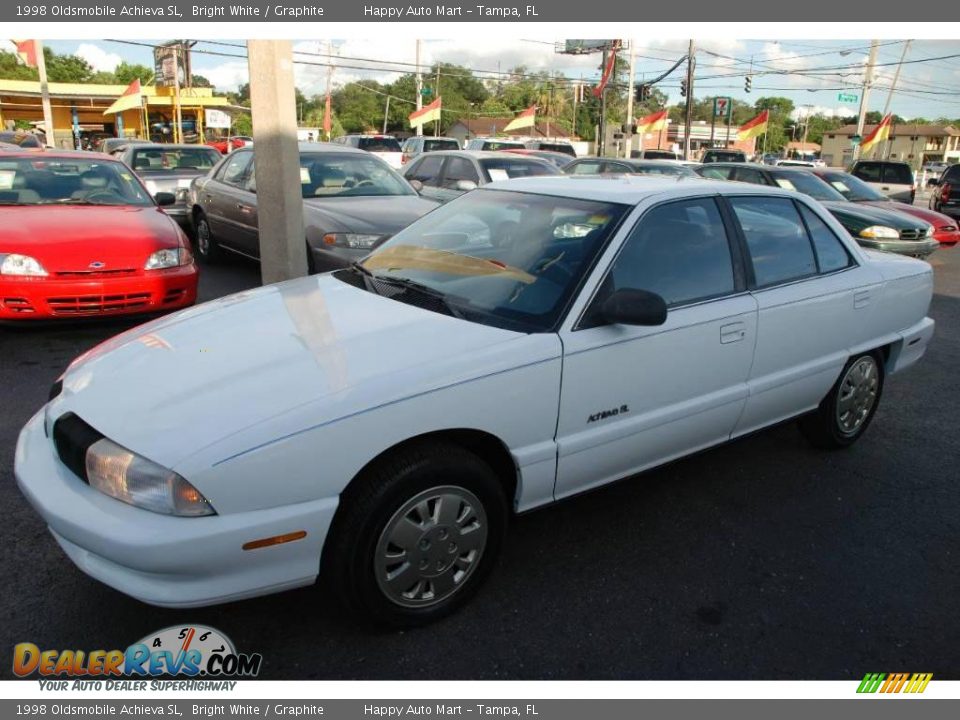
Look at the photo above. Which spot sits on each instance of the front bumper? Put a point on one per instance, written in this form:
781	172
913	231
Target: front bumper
53	297
913	248
163	560
947	239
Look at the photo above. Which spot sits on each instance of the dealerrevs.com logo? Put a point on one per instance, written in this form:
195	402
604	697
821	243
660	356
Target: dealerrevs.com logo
191	651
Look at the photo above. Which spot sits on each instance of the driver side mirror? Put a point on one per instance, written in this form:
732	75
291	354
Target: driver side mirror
933	181
465	185
634	307
165	198
416	185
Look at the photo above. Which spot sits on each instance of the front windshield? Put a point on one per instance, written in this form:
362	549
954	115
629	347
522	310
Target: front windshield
331	174
69	181
432	144
503	258
853	188
508	168
807	184
173	159
379	144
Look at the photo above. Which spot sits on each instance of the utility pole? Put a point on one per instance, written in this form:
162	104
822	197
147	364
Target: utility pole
601	133
576	96
893	87
283	251
436	94
44	95
688	122
628	136
419	89
386	114
326	109
865	95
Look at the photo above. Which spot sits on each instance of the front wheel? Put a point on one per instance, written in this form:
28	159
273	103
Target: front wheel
416	535
846	411
207	248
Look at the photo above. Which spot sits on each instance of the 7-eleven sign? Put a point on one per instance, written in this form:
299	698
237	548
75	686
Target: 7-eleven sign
721	107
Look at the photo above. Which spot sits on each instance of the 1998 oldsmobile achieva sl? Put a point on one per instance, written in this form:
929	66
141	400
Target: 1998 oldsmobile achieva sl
527	341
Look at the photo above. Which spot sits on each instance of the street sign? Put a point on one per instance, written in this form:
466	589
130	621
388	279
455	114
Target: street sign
847	97
855	140
721	107
426	92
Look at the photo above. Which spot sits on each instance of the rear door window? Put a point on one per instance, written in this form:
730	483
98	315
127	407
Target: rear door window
234	170
777	240
897	174
831	254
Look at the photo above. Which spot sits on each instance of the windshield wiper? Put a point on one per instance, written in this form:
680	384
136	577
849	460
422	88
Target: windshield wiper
424	290
357	266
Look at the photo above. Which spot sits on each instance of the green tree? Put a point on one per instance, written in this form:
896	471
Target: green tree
66	68
198	81
126	73
242	125
11	69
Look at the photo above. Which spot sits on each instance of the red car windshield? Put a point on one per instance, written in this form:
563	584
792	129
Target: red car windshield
68	181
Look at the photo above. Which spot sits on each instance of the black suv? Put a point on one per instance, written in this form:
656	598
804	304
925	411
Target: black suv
945	197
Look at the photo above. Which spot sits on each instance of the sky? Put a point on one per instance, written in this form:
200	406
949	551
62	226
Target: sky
928	89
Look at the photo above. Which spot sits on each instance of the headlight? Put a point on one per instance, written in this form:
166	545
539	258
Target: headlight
173	257
351	240
121	474
929	232
880	232
22	265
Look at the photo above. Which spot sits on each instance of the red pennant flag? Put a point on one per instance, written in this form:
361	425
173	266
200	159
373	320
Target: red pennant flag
880	133
28	51
527	118
652	123
753	127
428	113
608	70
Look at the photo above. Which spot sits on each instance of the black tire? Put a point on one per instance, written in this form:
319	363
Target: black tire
824	427
208	250
375	498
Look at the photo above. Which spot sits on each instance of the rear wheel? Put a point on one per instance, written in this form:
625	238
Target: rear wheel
207	248
416	535
846	411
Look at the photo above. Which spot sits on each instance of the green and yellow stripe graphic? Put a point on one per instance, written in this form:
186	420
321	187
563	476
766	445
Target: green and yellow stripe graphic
894	682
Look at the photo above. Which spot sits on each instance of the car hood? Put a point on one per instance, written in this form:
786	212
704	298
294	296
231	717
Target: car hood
931	216
65	238
867	215
271	362
383	215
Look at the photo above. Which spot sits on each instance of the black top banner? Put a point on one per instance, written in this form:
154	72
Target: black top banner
100	11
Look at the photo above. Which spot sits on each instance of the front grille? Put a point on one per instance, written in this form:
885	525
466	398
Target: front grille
121	272
174	296
92	304
18	305
73	437
911	234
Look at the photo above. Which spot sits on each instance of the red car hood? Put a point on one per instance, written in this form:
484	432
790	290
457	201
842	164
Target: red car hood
938	220
71	237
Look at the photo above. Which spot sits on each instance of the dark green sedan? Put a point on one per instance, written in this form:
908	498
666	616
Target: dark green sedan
872	227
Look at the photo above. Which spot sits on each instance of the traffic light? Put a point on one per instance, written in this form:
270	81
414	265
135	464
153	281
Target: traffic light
747	83
683	88
642	92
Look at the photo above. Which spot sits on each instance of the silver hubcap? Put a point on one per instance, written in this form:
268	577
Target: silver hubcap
858	394
431	546
203	237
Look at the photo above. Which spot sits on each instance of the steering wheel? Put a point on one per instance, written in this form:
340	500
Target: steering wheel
363	183
108	195
552	270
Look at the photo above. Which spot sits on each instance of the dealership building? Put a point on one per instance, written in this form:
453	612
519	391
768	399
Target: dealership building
81	109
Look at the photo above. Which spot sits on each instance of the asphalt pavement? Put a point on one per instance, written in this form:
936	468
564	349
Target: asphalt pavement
762	559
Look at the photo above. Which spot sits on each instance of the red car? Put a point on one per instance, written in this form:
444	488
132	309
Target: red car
235	142
80	236
945	229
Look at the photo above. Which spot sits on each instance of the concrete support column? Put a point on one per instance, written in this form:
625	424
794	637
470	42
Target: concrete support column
283	253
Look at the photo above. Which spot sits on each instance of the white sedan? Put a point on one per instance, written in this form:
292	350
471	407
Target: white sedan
377	426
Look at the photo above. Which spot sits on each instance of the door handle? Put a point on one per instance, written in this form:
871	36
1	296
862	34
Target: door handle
734	332
244	208
861	299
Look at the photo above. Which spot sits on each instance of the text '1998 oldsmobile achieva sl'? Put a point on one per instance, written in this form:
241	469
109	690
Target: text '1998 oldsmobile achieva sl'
535	338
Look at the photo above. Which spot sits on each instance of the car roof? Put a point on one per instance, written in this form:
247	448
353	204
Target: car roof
630	189
486	154
169	146
60	154
320	147
761	166
496	139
